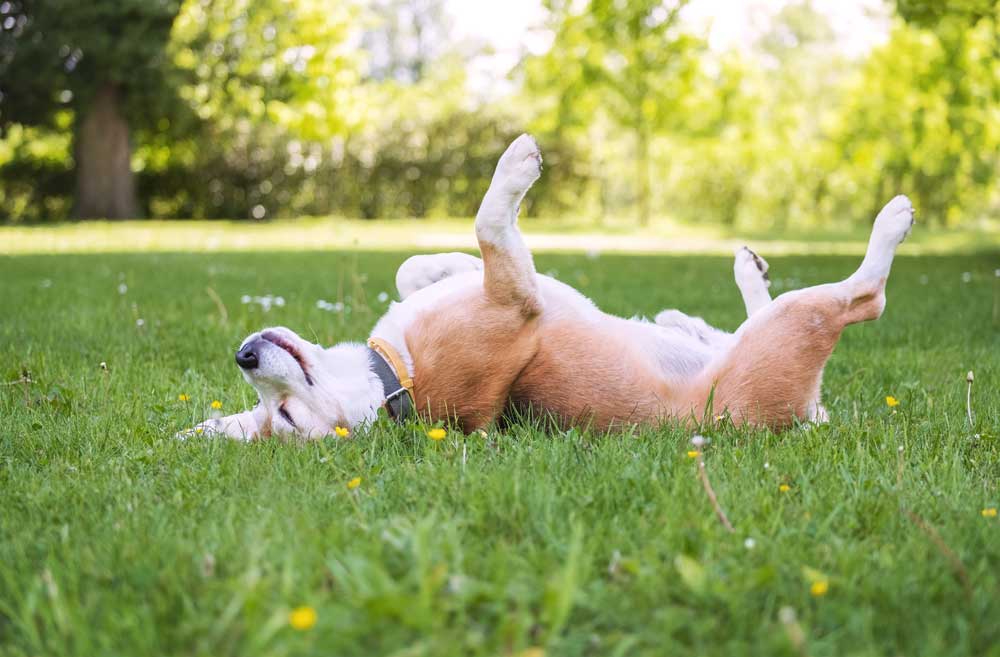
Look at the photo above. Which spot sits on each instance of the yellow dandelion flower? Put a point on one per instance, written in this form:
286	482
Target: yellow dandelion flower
182	397
819	588
692	454
302	618
891	401
341	432
216	404
437	434
784	488
354	483
990	512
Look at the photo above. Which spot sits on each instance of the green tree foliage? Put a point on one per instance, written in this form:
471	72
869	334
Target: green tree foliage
757	151
104	61
367	108
923	115
266	80
627	63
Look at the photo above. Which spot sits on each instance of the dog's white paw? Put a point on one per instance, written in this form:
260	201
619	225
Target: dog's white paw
520	166
215	428
750	269
203	430
894	221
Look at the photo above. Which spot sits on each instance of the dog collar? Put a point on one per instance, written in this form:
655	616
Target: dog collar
396	381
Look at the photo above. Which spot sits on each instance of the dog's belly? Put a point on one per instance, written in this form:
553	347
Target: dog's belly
473	359
602	375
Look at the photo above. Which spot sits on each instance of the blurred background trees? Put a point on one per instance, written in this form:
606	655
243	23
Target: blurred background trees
87	69
373	108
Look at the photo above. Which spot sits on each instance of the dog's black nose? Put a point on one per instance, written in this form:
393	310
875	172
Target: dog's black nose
247	357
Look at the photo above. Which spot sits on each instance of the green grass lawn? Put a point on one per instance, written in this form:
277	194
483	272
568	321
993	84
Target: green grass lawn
117	539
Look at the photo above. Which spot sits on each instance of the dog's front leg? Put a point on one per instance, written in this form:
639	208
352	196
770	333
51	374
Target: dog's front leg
509	271
247	426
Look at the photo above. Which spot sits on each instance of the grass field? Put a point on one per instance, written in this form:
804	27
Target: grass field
868	536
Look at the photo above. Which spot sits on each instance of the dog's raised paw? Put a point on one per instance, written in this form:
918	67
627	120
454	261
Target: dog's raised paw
749	268
520	165
894	221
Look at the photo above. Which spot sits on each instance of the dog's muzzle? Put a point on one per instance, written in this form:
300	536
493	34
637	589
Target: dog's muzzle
246	357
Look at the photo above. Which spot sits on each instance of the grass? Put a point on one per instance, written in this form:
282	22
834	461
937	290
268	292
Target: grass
119	540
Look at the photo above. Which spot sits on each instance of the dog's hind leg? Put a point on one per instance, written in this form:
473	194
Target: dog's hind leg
750	272
509	271
420	271
772	375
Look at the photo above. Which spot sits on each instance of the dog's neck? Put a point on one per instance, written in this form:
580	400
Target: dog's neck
358	389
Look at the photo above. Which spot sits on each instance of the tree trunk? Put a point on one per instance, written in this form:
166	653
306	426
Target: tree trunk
105	187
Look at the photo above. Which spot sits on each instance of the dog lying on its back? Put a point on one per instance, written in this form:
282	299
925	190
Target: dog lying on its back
474	338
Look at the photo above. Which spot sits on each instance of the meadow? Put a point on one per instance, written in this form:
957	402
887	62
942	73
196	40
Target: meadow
871	535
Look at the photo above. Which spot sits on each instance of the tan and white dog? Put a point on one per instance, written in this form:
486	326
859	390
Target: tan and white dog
474	339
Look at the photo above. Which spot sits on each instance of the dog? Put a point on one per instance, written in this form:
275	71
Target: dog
473	340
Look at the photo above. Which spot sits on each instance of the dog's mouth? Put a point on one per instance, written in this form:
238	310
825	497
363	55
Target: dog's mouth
292	350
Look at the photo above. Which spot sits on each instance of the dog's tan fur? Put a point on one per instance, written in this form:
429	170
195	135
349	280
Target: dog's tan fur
483	338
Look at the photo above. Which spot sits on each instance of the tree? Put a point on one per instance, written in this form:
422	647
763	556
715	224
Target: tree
932	13
922	118
627	60
103	60
407	37
274	84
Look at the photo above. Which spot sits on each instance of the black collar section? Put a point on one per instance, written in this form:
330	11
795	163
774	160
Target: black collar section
397	400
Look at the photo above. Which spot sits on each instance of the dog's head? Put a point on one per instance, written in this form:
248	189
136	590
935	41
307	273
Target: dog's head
304	388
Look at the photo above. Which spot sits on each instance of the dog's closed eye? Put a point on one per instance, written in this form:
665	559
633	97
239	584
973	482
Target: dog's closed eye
284	414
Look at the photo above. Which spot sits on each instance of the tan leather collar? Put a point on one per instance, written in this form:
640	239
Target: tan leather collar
397	407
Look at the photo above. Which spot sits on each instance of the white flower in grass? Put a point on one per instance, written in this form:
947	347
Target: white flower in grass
140	322
330	307
699	441
383	297
265	302
966	276
749	543
122	288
